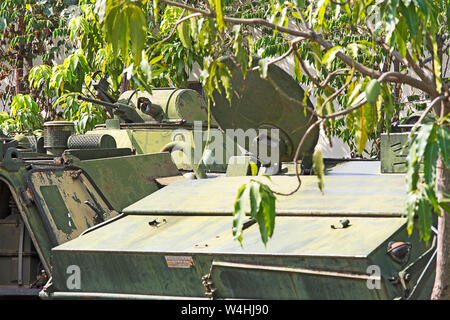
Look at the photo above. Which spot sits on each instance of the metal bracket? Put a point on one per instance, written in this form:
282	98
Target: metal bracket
413	267
12	160
209	286
26	196
98	212
344	223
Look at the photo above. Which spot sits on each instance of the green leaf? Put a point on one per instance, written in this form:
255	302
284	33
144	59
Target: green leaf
425	219
429	162
297	70
411	204
409	13
430	195
156	60
138	32
262	208
445	204
263	66
155	9
448	15
388	105
254	168
219	14
443	138
266	214
422	4
401	36
3	23
183	32
436	67
73	62
390	19
330	55
423	136
255	198
225	79
364	124
318	168
322	6
239	212
412	173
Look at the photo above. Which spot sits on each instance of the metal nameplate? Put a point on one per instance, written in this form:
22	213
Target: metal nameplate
179	261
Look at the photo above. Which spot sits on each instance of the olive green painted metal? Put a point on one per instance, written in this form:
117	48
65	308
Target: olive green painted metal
150	138
122	215
297	262
353	195
125	180
68	202
394	151
176	104
258	104
239	166
161	248
164	116
47	201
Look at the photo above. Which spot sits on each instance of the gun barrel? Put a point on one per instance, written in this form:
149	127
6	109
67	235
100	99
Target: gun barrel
100	102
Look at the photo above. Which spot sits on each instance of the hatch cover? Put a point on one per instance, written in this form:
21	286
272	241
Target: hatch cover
68	201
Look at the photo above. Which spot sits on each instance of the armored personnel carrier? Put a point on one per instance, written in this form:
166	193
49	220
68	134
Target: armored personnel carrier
84	217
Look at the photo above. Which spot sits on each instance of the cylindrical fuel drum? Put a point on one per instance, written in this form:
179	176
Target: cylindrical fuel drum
91	141
56	134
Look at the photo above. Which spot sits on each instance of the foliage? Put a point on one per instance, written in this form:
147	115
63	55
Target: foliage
31	29
344	53
156	59
65	81
421	200
23	116
259	200
353	57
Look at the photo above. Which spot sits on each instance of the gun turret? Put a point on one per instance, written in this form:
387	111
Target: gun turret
126	112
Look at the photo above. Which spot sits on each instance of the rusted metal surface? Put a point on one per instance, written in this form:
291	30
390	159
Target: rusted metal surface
61	201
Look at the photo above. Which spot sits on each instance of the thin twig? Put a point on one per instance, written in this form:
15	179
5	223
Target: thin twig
283	56
297	153
425	112
397	77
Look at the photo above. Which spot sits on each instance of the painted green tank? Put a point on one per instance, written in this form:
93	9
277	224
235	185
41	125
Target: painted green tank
145	122
94	220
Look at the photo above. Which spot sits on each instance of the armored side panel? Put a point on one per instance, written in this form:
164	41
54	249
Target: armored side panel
45	202
177	243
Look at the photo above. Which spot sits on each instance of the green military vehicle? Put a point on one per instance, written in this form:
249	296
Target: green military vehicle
84	217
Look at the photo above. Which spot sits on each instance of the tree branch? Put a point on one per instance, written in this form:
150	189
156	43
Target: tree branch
313	36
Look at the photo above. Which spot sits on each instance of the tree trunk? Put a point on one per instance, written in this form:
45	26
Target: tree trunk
441	289
124	83
18	74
